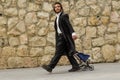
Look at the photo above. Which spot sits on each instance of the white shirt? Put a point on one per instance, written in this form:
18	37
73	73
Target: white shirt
57	21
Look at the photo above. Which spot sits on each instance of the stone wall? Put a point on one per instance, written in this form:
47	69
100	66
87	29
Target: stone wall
27	33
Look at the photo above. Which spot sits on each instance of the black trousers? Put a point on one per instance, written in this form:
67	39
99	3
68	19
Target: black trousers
62	49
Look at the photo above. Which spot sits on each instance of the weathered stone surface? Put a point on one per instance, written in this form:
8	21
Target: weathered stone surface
51	27
97	56
80	4
3	42
8	52
93	21
51	37
43	15
119	37
7	3
38	1
3	32
33	7
98	41
111	38
101	30
21	13
13	3
22	3
78	45
15	62
104	20
14	32
114	17
95	10
11	12
44	59
63	61
87	43
0	49
116	4
117	57
73	14
66	6
107	11
42	23
36	52
117	47
43	31
1	9
91	2
80	21
80	31
118	26
112	27
32	30
37	41
3	20
22	51
104	3
108	52
49	50
14	41
3	63
47	7
84	11
21	26
91	31
30	18
30	62
23	39
27	34
12	22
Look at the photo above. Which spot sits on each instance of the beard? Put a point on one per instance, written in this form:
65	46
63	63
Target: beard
58	11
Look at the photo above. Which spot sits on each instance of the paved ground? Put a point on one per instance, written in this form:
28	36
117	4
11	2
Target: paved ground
103	71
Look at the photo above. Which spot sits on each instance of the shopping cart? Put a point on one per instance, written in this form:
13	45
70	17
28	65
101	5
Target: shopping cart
84	61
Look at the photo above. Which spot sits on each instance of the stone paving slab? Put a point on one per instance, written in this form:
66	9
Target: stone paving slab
103	71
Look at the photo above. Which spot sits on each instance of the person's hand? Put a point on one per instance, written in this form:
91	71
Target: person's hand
74	37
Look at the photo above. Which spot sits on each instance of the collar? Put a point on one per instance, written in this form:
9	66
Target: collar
58	14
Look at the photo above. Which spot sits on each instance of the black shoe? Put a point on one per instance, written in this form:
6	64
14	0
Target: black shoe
47	68
74	69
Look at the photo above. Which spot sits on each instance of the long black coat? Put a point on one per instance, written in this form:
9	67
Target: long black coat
67	30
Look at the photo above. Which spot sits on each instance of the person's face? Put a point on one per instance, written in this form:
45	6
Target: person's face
57	8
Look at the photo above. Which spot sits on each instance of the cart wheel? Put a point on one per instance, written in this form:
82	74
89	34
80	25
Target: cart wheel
91	67
84	68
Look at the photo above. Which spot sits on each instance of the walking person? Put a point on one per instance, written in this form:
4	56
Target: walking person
65	37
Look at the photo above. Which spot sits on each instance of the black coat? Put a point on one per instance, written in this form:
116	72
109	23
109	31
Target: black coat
67	30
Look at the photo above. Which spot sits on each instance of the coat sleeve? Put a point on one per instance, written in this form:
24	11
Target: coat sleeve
67	22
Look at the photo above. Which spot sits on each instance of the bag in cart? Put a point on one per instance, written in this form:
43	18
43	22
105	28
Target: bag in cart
84	61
